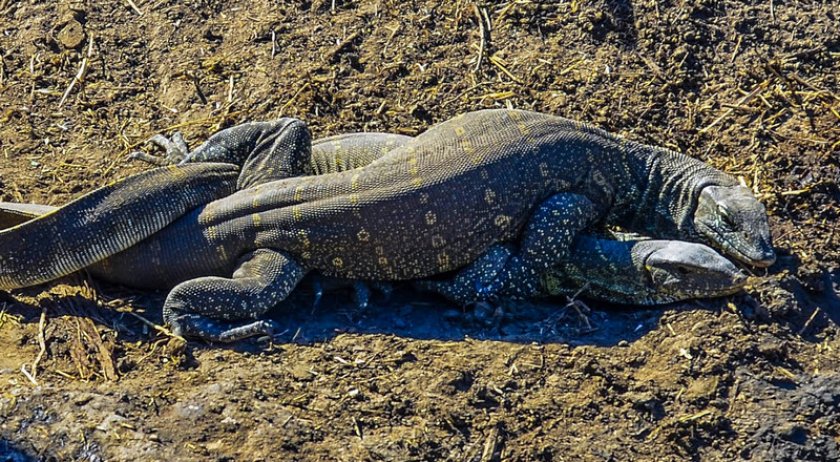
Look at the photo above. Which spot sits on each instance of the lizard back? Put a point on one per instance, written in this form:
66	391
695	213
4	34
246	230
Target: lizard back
428	207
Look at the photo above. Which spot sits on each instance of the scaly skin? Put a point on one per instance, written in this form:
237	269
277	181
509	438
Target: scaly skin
638	272
702	203
643	272
515	175
634	271
65	240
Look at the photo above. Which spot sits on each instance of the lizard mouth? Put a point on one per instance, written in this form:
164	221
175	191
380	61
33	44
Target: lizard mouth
721	240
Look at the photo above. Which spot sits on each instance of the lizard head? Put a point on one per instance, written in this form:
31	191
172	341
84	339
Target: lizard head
643	272
734	221
678	270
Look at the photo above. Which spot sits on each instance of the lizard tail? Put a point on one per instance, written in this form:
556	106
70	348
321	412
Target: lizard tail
106	221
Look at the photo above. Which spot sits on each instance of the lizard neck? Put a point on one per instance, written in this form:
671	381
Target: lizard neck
669	184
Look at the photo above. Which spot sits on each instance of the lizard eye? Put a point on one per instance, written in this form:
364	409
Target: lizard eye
725	216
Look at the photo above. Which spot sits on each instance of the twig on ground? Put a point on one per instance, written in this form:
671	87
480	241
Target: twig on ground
8	318
485	35
809	321
204	121
737	47
134	7
42	342
500	63
273	44
294	97
341	46
492	445
80	75
28	375
230	90
156	327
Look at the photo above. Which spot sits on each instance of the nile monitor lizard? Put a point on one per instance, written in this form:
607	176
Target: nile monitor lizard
428	207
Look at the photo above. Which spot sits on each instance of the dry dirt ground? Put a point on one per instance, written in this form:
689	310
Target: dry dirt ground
751	87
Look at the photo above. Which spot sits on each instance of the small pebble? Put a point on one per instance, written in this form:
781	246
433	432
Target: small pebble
72	35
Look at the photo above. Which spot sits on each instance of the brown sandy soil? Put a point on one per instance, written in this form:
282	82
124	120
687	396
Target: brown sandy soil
750	87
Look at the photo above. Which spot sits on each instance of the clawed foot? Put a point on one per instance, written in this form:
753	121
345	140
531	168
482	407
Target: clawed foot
361	290
176	150
196	326
481	280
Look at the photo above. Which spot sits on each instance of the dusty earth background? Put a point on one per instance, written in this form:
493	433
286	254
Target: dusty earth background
750	87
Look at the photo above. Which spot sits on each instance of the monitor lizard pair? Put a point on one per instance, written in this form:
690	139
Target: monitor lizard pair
442	201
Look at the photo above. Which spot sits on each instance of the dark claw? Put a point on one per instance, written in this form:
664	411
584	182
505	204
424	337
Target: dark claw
318	288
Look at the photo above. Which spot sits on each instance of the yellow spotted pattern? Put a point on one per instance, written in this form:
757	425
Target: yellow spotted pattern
502	220
519	119
255	202
363	235
413	170
304	238
443	261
